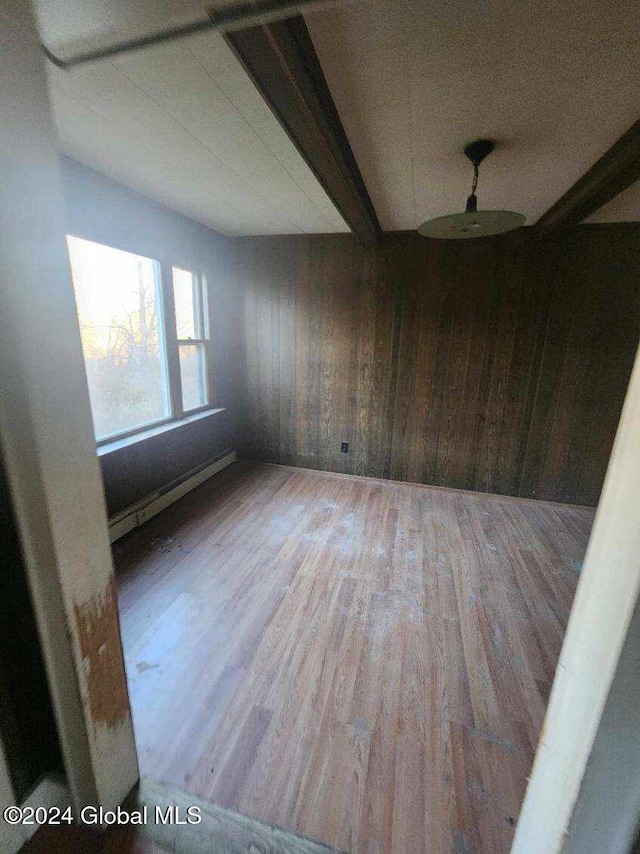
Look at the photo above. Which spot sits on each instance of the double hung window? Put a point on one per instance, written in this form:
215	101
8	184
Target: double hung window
145	338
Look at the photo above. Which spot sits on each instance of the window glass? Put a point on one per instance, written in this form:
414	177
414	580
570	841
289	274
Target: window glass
118	303
186	303
193	376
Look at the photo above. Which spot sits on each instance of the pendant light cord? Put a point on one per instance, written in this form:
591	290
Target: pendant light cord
476	152
472	201
476	175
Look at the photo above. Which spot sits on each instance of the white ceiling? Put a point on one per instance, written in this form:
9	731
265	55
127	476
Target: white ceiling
180	122
554	82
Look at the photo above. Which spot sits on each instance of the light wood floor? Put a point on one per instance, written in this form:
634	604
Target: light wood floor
219	831
362	662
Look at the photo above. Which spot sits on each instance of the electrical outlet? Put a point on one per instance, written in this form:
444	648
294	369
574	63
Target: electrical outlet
345	448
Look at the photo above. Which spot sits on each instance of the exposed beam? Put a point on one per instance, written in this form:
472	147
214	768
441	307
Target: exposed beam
614	172
228	18
283	64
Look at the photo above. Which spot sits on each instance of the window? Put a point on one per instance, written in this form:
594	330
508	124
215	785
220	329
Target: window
145	350
191	332
118	301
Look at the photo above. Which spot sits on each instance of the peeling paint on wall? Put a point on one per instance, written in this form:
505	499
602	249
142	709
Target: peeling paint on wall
100	646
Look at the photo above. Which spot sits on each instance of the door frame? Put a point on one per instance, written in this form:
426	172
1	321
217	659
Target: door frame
47	441
600	617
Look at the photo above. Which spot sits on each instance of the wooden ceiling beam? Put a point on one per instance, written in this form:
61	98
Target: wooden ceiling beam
282	62
614	172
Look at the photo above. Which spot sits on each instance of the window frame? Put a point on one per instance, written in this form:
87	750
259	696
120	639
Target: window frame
170	343
201	304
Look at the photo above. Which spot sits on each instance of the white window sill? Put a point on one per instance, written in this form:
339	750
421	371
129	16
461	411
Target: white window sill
116	444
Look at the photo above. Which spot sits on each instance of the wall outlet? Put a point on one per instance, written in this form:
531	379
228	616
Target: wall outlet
345	448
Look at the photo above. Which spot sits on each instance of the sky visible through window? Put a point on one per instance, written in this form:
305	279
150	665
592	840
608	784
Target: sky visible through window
189	325
118	309
183	295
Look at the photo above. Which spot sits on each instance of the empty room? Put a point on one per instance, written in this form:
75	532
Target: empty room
320	427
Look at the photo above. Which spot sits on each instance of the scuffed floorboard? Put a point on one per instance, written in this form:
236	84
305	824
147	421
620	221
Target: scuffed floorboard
361	662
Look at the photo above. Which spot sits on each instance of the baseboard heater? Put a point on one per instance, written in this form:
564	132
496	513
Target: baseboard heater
149	506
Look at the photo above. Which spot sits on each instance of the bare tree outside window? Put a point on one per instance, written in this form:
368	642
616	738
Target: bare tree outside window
118	300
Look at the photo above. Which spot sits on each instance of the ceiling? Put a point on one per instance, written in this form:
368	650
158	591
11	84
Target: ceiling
180	122
624	208
555	83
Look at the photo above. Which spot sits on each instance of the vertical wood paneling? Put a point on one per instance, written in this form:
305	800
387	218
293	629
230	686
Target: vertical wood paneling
490	366
302	406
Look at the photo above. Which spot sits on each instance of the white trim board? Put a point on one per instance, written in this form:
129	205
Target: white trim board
48	443
153	504
600	618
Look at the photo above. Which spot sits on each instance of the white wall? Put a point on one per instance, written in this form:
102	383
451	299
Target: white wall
102	210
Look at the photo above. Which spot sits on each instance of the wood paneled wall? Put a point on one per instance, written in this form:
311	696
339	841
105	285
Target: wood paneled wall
494	366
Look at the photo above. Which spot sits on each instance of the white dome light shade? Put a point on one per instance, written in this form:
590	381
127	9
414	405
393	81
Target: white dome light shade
472	223
465	226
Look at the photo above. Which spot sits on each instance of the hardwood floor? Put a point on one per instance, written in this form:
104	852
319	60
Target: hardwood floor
363	662
219	830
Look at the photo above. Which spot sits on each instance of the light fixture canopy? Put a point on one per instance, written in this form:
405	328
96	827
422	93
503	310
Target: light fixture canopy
472	223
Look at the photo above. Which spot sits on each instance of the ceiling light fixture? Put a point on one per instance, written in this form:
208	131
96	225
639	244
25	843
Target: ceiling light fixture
472	223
